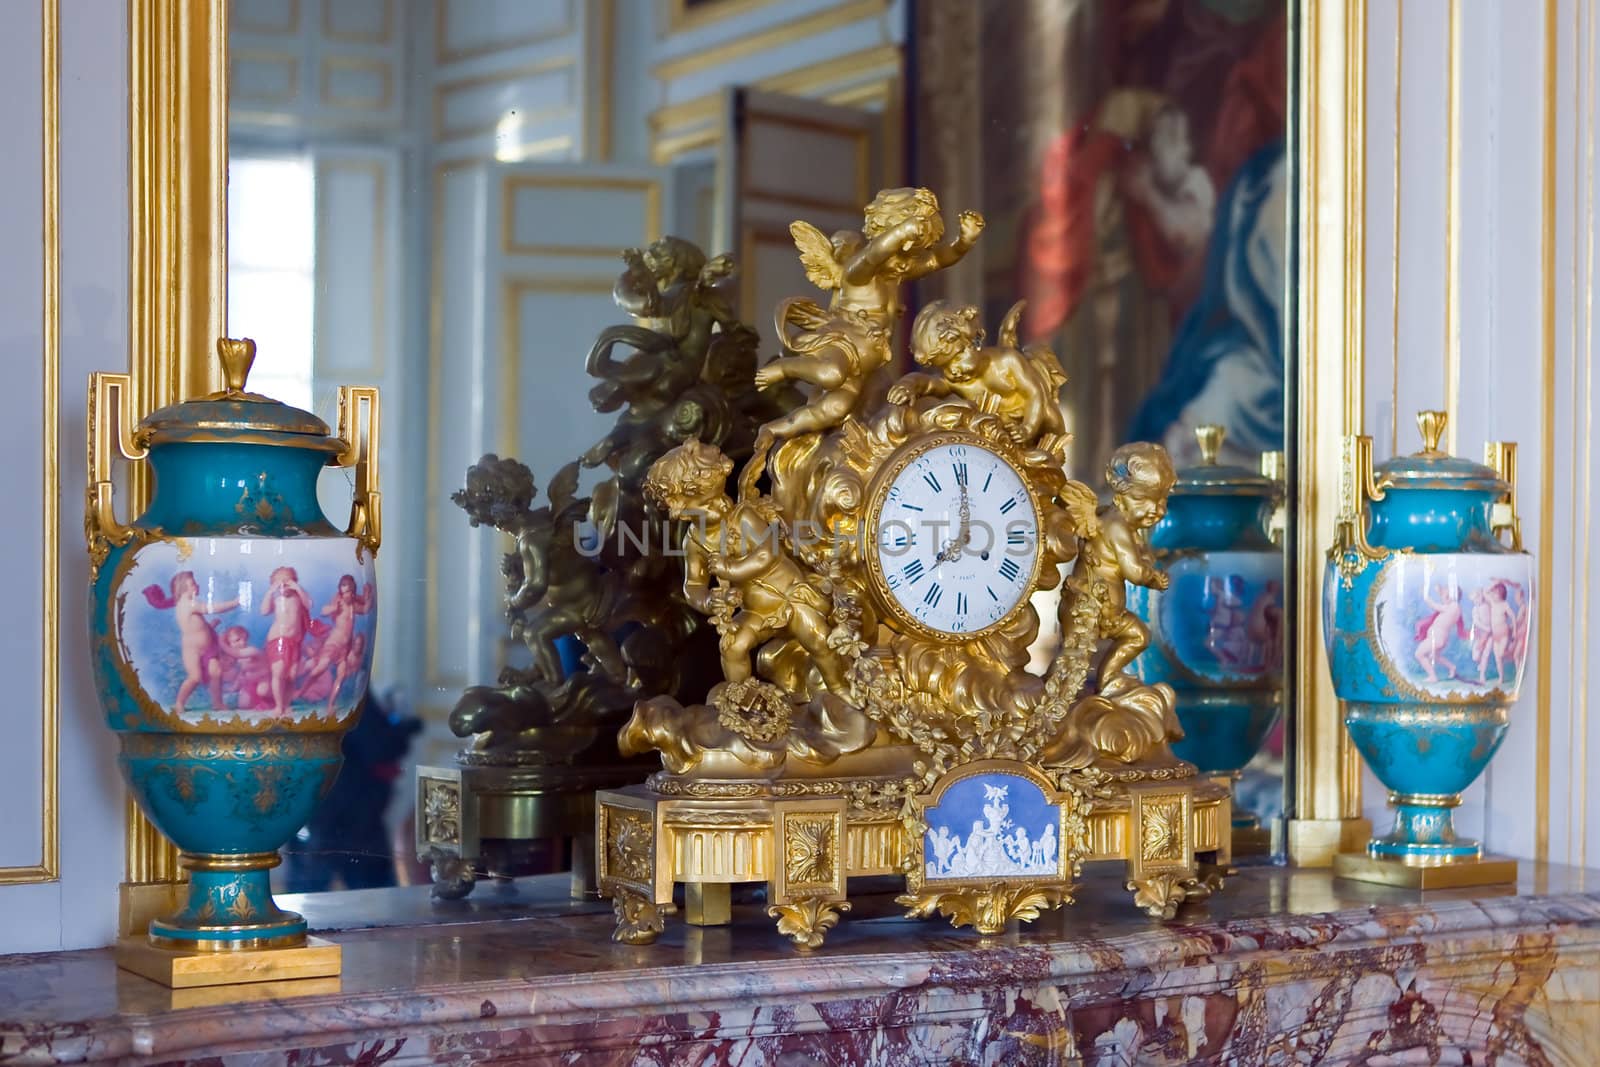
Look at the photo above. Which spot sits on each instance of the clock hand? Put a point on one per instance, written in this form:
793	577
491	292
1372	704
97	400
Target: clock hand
965	533
953	547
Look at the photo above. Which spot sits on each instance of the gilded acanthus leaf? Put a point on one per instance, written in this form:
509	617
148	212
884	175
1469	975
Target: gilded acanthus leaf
807	921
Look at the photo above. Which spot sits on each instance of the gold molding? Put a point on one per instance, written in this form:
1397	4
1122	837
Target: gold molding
291	28
431	479
681	19
289	62
1452	222
384	35
444	55
1394	260
443	132
384	69
48	869
872	74
1326	804
1547	439
600	44
831	18
177	234
514	183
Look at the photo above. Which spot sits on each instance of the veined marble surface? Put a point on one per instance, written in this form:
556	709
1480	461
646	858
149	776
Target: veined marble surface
1283	967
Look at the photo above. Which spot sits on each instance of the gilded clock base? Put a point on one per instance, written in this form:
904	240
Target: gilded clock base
188	968
1455	874
806	838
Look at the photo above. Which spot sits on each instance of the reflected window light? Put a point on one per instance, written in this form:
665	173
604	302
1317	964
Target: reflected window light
507	138
272	270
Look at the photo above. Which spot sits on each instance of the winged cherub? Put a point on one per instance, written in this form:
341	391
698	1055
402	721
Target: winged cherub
1020	386
838	347
1114	552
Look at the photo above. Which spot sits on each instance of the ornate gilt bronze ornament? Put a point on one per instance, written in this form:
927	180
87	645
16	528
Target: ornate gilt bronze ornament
543	738
870	583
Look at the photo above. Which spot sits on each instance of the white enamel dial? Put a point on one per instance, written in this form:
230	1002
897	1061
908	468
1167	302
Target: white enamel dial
955	539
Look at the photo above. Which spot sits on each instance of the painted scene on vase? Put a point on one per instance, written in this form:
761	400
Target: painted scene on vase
1458	628
249	627
1136	184
992	825
1222	617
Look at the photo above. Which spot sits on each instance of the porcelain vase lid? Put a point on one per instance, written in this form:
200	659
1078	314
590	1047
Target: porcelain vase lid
1433	468
234	414
1210	478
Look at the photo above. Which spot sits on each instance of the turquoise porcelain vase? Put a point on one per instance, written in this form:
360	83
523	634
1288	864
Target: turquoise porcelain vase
1428	615
1216	631
232	632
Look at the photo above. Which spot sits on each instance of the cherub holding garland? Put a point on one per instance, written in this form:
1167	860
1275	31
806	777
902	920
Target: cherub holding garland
761	592
1114	551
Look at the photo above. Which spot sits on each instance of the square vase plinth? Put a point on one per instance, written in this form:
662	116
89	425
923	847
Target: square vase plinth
182	969
1460	874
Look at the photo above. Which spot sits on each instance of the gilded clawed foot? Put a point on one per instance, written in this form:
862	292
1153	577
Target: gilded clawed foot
639	919
1159	895
807	921
453	877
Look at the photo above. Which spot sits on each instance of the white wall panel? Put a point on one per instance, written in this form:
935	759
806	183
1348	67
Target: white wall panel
78	909
22	348
94	336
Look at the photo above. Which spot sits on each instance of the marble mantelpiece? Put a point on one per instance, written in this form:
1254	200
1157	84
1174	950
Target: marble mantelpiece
1284	967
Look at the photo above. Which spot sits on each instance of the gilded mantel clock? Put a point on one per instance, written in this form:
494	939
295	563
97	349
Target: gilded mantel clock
874	611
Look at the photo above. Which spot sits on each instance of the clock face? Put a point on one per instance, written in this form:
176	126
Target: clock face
955	538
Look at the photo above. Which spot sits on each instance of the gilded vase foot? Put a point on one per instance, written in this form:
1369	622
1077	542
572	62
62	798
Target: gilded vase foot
806	922
639	919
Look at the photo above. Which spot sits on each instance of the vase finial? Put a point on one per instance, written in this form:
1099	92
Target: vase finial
1432	424
236	356
1210	438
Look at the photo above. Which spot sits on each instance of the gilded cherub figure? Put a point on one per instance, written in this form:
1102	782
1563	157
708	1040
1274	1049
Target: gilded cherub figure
551	588
838	347
1020	386
1112	551
675	296
761	593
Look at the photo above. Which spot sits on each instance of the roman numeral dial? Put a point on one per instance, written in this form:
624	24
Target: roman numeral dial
953	538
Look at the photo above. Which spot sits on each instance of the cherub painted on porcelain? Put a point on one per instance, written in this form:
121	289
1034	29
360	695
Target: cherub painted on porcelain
838	347
1115	551
290	607
1434	632
1501	624
761	592
333	655
245	674
1022	387
202	654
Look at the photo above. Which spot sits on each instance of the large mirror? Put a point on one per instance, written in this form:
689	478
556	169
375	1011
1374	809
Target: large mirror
431	196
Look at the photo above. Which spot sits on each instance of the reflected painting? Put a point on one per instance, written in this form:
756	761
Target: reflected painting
1133	170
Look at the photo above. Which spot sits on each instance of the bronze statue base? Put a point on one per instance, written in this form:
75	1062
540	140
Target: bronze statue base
805	839
482	820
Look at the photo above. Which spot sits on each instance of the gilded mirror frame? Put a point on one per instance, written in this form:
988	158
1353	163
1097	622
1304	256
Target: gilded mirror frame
177	99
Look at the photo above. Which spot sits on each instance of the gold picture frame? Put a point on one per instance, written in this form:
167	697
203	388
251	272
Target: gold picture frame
178	91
